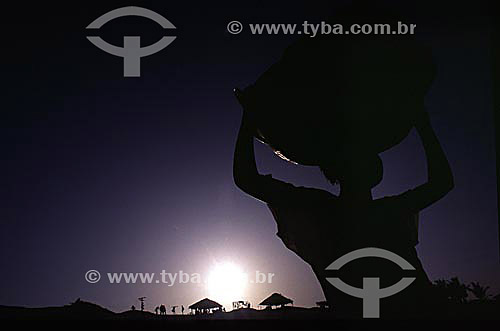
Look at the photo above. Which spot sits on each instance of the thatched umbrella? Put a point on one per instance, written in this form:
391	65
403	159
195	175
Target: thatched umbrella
205	306
276	299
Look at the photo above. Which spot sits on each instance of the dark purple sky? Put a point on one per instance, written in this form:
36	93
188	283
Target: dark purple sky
134	175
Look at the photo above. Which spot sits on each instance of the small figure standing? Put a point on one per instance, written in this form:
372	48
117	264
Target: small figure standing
141	299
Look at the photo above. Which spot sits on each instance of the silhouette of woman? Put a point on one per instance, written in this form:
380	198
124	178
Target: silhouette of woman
320	226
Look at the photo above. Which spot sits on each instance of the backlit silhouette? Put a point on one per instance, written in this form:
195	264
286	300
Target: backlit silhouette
339	115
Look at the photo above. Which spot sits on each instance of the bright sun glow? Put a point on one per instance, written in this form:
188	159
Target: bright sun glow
226	283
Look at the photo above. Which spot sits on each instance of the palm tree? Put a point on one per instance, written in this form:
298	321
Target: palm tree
479	291
441	288
457	290
453	290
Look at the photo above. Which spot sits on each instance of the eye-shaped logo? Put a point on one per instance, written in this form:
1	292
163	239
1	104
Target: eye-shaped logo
371	293
131	50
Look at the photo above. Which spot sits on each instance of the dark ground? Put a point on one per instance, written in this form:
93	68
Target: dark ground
83	310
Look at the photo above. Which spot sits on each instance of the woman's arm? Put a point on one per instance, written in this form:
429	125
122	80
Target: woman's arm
439	175
245	171
247	177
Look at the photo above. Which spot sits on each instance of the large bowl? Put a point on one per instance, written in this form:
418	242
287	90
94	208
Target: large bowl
331	96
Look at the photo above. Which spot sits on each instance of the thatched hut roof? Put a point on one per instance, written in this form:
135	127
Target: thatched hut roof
276	299
205	304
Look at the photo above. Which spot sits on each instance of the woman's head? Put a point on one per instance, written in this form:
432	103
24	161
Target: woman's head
355	171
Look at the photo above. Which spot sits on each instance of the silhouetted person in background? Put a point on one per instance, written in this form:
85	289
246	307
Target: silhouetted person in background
156	310
163	310
321	227
141	300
